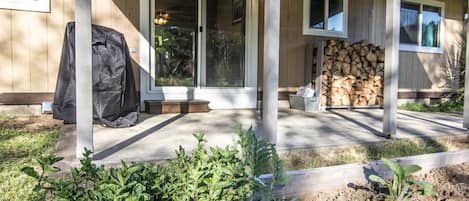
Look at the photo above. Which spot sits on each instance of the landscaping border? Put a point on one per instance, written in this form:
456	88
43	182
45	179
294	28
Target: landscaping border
328	179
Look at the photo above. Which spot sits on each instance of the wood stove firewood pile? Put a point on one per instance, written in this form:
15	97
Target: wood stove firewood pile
353	74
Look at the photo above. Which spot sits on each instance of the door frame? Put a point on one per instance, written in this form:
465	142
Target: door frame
220	98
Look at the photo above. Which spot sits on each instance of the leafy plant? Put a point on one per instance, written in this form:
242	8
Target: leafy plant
443	106
229	173
401	186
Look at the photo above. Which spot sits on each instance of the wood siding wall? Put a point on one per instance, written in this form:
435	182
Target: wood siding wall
427	71
31	42
418	71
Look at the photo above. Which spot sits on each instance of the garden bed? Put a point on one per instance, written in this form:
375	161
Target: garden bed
450	183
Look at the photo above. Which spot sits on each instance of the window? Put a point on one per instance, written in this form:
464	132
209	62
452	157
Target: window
421	26
28	5
325	18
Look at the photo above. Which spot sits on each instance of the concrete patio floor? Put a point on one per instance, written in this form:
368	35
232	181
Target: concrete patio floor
156	137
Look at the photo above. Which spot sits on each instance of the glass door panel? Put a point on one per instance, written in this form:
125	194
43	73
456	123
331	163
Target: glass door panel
175	32
225	43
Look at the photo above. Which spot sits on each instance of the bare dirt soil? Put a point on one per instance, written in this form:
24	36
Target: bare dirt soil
451	184
33	124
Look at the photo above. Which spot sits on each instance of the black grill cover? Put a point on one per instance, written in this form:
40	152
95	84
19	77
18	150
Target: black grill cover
115	102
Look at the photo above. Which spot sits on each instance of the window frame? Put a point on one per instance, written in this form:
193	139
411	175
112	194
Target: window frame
30	5
419	47
307	30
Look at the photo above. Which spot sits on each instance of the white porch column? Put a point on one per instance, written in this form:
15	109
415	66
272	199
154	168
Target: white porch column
271	69
391	69
84	74
466	78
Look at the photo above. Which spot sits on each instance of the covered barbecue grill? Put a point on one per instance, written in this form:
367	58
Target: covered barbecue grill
115	102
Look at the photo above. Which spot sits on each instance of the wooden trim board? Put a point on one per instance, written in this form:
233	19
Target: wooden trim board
331	178
25	98
283	95
175	106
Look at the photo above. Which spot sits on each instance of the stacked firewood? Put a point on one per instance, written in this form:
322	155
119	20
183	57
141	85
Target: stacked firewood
353	74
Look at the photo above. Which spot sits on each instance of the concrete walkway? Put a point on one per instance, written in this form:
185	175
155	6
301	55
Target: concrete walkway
156	137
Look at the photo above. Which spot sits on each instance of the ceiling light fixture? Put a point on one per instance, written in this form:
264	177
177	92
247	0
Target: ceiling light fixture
161	18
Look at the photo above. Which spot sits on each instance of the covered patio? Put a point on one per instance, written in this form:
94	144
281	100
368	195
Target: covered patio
156	137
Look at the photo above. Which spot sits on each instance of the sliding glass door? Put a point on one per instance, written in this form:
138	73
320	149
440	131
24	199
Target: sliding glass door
225	43
202	49
220	47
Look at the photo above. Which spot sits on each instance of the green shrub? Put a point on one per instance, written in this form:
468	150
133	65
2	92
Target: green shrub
401	186
444	106
230	173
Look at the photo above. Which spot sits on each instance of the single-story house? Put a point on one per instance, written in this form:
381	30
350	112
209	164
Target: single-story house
234	53
218	45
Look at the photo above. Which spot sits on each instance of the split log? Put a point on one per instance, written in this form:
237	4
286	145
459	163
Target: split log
353	74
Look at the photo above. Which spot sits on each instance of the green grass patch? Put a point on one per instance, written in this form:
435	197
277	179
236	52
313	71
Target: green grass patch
17	148
5	117
305	159
446	106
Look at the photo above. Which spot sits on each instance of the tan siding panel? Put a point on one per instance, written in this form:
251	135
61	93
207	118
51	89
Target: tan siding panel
125	19
284	46
133	14
102	12
292	44
6	70
56	29
21	47
38	51
359	20
379	22
69	10
300	48
32	41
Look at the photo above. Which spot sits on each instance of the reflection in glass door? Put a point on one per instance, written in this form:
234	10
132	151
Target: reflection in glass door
175	38
225	43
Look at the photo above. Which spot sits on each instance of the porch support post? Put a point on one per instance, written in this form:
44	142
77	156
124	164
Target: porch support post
271	69
83	65
466	78
391	69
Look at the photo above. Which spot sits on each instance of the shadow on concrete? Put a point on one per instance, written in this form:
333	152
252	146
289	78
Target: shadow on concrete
431	121
358	123
109	151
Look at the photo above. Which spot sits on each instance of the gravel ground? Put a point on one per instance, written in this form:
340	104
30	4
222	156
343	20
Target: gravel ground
451	184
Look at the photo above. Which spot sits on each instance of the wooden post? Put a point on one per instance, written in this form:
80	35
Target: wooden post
271	69
84	74
308	76
319	66
466	78
391	69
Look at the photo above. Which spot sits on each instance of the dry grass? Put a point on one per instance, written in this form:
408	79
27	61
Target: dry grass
305	159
